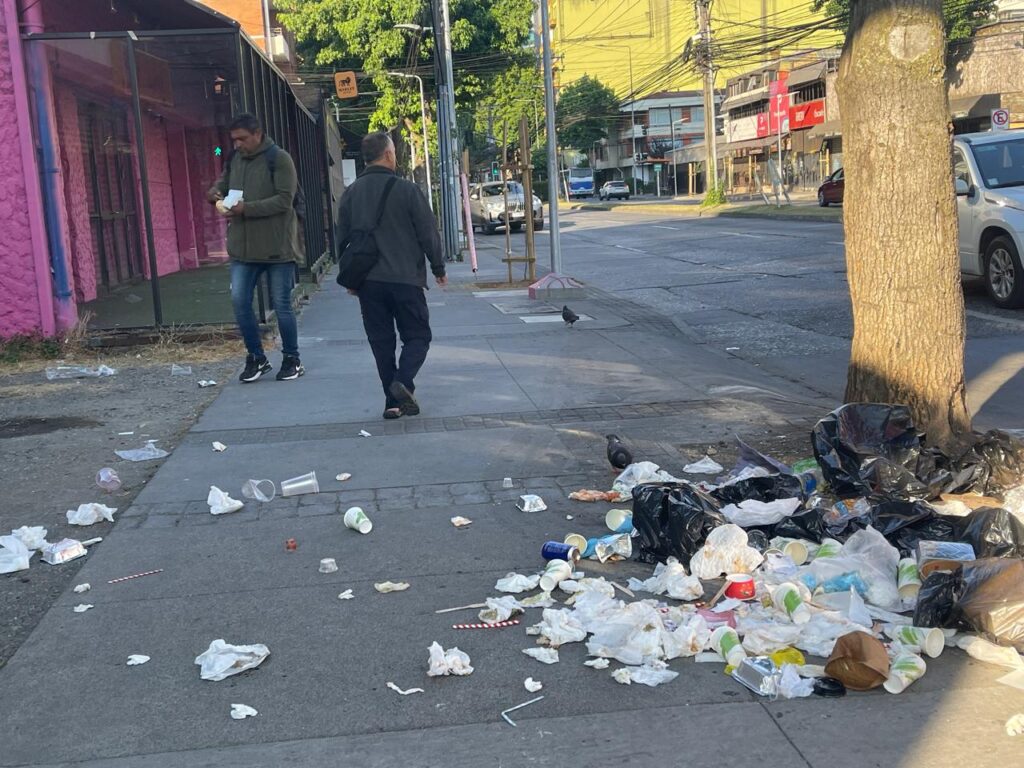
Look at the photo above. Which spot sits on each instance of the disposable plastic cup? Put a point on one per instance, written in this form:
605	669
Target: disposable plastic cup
727	643
786	597
108	480
328	565
619	520
556	572
931	640
908	578
357	520
795	549
904	670
299	485
575	540
259	490
828	548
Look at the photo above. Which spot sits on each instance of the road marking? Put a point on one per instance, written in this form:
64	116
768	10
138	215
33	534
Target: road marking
659	226
742	234
836	242
627	248
995	318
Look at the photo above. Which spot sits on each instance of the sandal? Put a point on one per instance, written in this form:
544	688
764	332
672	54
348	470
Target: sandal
393	413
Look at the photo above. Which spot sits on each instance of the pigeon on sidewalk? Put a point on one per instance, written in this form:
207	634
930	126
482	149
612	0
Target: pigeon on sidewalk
619	456
569	316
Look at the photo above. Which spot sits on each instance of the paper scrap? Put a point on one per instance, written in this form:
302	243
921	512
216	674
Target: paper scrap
406	692
532	685
597	663
543	655
364	433
219	447
242	711
343	477
82	607
346	595
1015	725
83	588
459	521
221	659
204	383
391	586
137	658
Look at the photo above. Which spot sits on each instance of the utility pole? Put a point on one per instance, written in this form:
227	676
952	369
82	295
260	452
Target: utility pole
549	122
446	131
453	128
705	63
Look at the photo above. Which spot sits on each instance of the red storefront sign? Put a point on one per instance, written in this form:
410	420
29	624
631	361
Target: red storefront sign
807	114
762	125
778	104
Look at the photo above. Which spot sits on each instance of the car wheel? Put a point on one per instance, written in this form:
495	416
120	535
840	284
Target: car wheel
821	199
517	227
490	229
1004	277
627	197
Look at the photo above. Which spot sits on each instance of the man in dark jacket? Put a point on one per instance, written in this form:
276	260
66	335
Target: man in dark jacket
262	238
393	294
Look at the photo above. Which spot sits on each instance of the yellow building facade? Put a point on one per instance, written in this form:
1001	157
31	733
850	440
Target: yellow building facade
608	38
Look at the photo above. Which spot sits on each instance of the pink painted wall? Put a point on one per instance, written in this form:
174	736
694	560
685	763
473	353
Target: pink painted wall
77	193
161	197
19	301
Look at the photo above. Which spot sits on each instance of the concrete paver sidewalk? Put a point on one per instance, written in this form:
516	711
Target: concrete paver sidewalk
501	397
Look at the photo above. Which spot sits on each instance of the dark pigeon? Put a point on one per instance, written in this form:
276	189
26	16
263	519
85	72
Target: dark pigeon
569	316
619	456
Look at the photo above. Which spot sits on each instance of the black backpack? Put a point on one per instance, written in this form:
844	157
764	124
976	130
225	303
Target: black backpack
299	202
360	253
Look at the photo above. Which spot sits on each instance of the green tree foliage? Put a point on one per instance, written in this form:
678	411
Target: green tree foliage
962	17
586	110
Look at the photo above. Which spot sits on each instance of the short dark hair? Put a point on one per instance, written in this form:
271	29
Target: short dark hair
373	146
246	122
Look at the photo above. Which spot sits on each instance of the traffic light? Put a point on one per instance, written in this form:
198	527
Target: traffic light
495	169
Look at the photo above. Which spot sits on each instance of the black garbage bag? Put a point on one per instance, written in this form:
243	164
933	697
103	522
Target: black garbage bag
803	524
992	532
759	539
1001	460
869	448
985	596
672	520
770	488
935	528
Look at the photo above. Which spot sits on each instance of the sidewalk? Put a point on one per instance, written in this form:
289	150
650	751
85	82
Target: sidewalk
508	391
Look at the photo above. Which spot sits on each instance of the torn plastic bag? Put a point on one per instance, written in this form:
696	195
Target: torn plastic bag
1001	457
631	635
986	596
890	515
752	512
14	555
559	626
765	489
88	514
639	473
867	563
222	659
670	578
672	520
751	457
992	533
805	524
865	448
725	551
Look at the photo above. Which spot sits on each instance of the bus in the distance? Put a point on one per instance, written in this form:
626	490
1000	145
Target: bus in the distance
579	182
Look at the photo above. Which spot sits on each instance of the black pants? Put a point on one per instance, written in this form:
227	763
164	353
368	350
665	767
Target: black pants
384	306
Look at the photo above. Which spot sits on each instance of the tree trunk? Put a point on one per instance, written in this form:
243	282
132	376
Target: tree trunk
900	217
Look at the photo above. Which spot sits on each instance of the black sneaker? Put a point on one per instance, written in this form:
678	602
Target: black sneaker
255	366
401	394
291	368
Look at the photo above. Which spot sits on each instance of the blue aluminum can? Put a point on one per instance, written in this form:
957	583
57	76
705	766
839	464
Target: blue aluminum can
558	550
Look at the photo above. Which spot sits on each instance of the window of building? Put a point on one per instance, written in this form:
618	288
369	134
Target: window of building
809	92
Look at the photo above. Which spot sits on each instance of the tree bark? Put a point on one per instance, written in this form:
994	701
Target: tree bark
900	217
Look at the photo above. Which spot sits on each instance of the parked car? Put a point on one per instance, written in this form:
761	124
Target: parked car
610	189
988	171
831	190
487	207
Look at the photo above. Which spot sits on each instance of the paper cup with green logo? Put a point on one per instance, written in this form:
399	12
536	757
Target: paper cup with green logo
795	549
904	670
828	548
556	572
786	597
726	642
908	578
357	520
931	640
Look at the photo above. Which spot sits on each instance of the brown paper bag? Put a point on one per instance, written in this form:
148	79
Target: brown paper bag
858	661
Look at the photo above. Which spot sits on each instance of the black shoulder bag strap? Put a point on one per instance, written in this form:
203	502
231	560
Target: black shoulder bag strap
383	202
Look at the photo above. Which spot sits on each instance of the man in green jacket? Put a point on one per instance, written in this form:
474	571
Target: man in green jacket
262	238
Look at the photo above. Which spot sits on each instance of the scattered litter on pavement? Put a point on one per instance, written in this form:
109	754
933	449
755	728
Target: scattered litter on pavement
82	607
259	490
1015	725
507	483
107	480
220	503
204	383
543	655
290	545
391	586
500	608
405	692
357	520
459	522
14	555
62	551
328	565
346	595
670	578
124	434
80	588
137	658
32	536
450	662
181	370
487	625
754	512
706	466
222	659
532	685
591	495
516	583
597	663
531	503
78	372
89	514
147	453
505	712
364	433
569	517
219	447
462	608
303	484
242	711
135	576
859	661
343	477
653	674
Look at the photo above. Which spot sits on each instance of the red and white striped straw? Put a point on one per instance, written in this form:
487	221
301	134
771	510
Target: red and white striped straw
495	625
136	576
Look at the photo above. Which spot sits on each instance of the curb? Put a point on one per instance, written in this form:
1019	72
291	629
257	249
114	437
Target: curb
774	217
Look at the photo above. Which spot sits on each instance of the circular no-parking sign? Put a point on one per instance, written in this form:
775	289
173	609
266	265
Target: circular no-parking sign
1000	119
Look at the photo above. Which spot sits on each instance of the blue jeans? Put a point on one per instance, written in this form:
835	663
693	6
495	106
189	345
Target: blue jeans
244	276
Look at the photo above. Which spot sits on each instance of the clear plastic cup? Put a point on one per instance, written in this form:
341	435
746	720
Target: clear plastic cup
300	485
108	480
328	565
259	490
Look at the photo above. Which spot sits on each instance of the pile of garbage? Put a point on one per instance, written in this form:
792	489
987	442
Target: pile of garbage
878	552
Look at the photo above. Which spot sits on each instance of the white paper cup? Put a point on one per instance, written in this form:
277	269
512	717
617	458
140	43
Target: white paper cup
616	519
727	643
357	520
299	485
786	597
575	540
904	670
931	640
828	548
556	572
795	549
328	565
908	578
259	490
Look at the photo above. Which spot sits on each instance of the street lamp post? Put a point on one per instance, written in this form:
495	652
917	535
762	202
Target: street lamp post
426	142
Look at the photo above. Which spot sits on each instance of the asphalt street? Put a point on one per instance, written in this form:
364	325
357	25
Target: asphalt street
770	292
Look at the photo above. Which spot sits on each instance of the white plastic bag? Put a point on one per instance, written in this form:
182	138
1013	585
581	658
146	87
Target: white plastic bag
849	604
725	551
14	555
220	503
500	609
791	685
543	655
631	635
653	674
88	514
147	453
670	578
560	626
450	662
516	583
706	466
242	711
868	561
640	472
222	659
33	537
753	512
765	639
981	649
689	637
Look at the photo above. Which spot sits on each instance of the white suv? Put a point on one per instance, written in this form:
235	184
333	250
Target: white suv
988	170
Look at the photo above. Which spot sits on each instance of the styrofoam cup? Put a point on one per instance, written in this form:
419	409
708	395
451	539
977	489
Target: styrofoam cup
556	572
726	642
931	640
580	542
904	670
299	485
786	597
795	549
908	578
357	520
